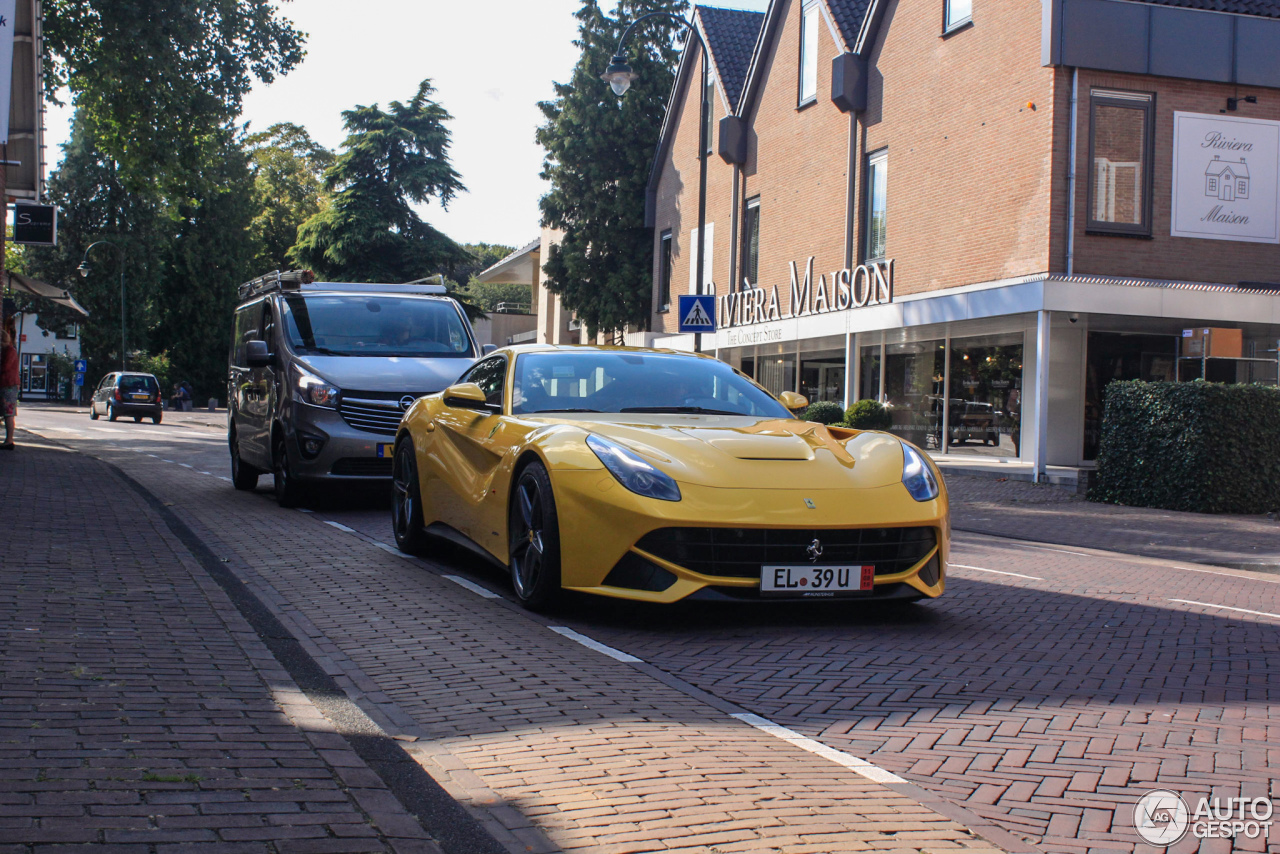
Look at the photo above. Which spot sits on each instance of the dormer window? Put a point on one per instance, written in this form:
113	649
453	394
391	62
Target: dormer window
808	54
958	13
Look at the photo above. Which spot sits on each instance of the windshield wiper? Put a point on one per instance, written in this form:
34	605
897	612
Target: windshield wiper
695	410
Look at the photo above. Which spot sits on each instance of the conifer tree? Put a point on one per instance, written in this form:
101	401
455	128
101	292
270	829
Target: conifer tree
599	152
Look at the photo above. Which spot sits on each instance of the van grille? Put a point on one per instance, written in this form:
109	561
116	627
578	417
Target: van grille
371	416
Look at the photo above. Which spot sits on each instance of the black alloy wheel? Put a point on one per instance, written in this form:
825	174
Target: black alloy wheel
534	539
288	490
243	476
406	500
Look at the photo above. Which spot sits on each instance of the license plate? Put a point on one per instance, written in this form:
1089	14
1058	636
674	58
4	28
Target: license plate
141	397
816	582
385	450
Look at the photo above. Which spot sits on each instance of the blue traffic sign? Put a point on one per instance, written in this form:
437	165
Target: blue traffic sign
81	366
79	378
697	312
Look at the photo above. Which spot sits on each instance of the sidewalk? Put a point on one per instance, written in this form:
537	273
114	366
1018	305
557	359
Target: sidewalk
138	709
1054	514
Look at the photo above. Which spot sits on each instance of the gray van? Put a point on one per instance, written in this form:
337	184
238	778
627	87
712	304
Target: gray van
321	373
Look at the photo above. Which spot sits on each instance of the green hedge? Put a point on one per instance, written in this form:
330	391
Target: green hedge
868	415
824	412
1206	447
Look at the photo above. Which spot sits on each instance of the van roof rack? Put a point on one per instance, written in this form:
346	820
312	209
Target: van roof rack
277	280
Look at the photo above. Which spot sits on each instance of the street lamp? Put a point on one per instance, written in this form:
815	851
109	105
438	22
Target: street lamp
84	269
619	75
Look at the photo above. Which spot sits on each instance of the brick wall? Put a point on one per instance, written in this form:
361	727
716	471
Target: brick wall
1163	256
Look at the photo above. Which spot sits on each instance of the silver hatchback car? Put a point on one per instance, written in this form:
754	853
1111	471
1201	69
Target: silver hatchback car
321	373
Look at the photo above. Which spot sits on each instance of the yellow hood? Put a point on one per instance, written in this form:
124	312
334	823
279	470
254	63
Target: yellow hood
745	452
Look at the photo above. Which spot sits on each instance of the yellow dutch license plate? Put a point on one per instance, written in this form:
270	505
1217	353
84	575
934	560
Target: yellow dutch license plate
385	450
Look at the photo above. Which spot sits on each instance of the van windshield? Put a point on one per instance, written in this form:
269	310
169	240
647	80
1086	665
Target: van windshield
375	325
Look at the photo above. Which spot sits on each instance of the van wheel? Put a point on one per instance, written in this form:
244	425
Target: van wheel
288	490
406	501
243	476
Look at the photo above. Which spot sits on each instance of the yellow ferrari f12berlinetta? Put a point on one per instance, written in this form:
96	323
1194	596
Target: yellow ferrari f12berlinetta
662	476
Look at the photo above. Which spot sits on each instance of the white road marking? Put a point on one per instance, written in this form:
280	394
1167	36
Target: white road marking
615	654
207	472
227	479
858	766
1252	576
1227	608
305	510
340	526
996	571
473	587
166	461
186	465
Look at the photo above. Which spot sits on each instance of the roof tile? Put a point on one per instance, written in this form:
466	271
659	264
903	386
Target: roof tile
731	38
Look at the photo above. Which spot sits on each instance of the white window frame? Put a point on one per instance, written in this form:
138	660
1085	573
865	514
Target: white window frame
956	14
877	162
807	88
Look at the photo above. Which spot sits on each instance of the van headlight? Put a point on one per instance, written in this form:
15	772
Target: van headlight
314	390
633	471
917	477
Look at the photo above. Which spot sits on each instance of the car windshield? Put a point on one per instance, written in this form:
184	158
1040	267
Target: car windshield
595	381
145	383
375	325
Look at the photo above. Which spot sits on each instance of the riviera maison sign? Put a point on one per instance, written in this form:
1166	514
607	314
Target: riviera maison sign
868	284
1226	178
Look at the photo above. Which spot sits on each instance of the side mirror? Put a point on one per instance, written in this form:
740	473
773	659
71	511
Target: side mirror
465	396
487	349
257	354
793	401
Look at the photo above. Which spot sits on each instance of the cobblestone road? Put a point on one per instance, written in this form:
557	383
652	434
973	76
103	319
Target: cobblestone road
1044	693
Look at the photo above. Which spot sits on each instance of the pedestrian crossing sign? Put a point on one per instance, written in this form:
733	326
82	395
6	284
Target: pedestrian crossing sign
697	313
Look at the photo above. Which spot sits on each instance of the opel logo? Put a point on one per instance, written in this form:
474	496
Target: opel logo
406	402
815	549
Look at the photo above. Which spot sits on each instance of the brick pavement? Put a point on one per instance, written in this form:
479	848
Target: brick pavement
138	710
553	746
1052	514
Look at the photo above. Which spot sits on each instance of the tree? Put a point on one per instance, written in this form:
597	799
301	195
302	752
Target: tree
156	77
599	151
392	160
489	295
484	256
288	173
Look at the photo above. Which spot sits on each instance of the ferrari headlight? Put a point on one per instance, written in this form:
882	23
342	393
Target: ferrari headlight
633	471
314	390
917	477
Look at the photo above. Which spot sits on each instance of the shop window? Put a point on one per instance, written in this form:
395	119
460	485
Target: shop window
1120	162
751	245
958	13
808	55
664	273
776	372
1115	356
986	396
869	371
822	375
877	204
709	114
913	378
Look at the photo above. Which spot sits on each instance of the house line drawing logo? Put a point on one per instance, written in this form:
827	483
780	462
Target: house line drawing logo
1226	180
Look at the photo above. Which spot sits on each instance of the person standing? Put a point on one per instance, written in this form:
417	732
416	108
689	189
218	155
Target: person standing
10	379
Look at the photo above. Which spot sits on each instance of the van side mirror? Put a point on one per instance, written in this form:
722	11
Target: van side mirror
257	354
487	349
465	396
793	401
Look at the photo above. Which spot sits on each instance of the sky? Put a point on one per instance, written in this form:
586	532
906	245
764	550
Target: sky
491	63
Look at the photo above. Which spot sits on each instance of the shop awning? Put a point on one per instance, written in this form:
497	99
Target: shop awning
26	285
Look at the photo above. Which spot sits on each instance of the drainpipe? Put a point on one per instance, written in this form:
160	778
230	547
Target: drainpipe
1071	177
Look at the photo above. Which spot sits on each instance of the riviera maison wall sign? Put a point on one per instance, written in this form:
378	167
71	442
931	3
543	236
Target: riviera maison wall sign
868	284
1226	178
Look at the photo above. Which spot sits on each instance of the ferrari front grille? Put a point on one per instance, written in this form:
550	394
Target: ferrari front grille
741	552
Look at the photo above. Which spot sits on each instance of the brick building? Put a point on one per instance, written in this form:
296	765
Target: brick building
978	201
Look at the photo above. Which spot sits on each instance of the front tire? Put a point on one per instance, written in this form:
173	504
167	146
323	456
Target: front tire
243	476
406	500
288	490
534	539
